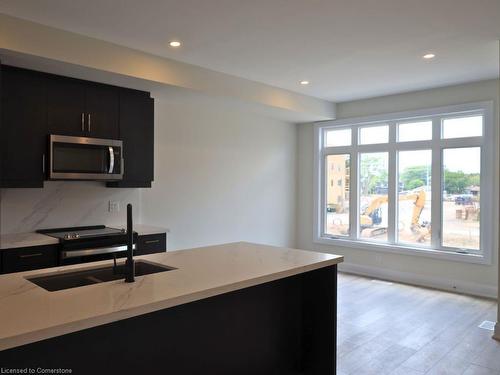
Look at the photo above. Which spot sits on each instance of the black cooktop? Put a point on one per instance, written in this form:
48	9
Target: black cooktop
74	233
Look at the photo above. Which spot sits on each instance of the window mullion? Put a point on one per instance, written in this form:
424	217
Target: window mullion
436	185
323	193
392	188
354	191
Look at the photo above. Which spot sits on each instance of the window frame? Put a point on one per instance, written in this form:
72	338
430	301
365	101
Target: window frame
489	179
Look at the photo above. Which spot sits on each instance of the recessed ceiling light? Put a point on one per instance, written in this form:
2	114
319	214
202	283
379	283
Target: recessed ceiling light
429	56
304	82
175	43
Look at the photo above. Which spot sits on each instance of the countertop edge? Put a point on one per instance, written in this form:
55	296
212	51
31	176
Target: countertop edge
71	327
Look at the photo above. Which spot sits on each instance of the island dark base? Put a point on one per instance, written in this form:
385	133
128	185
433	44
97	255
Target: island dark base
284	327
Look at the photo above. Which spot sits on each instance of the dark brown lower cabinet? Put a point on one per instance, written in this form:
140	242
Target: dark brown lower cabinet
28	258
37	257
151	244
283	327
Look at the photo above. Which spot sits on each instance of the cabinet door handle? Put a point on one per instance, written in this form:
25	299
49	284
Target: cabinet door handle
43	163
88	121
151	241
83	122
30	255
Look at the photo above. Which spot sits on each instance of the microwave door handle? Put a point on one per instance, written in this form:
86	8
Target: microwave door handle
111	160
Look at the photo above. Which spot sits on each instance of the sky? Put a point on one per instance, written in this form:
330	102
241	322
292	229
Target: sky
467	160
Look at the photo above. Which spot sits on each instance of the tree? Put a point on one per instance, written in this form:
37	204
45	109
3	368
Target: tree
373	173
458	182
413	184
415	176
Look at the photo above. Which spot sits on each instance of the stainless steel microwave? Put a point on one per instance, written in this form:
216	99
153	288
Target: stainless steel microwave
82	158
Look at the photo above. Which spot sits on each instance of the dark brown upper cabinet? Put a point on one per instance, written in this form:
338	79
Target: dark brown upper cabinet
81	108
65	106
102	104
137	133
24	130
34	105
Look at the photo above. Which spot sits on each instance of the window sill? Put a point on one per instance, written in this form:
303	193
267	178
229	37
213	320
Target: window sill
406	250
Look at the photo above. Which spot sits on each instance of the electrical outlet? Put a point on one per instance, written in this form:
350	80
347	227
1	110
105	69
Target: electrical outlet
114	206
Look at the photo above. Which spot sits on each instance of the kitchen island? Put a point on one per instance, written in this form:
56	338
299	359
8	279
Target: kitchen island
237	308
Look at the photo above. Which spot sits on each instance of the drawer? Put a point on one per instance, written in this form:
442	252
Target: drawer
152	243
28	258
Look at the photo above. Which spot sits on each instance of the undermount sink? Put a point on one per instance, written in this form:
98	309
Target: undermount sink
91	276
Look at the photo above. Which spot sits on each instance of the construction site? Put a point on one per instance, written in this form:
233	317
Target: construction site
460	212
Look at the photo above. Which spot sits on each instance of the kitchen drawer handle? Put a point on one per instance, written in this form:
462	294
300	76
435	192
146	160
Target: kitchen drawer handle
151	241
30	255
100	250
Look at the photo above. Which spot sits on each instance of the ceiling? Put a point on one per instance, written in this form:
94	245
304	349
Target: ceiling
347	49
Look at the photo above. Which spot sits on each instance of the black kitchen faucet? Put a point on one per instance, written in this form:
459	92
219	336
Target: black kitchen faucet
128	269
129	263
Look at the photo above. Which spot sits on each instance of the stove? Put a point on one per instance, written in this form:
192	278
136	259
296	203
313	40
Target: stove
75	233
90	243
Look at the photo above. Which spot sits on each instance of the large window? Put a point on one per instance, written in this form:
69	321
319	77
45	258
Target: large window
409	182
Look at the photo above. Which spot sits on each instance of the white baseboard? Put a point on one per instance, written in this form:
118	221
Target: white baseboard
496	334
457	286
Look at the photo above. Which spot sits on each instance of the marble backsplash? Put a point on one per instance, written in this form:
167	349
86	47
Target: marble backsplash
64	204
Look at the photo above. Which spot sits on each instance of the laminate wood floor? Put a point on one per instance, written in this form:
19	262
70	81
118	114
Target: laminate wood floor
397	329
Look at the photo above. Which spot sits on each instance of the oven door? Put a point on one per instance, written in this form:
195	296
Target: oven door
93	255
81	158
90	250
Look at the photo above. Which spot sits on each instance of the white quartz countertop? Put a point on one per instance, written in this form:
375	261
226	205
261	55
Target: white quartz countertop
16	240
29	313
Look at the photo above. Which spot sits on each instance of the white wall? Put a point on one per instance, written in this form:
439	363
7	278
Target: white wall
63	204
221	175
471	278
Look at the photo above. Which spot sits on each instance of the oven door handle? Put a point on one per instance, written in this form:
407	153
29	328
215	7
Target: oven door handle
111	160
87	252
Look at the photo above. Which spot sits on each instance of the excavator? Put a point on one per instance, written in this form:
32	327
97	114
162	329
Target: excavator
372	215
